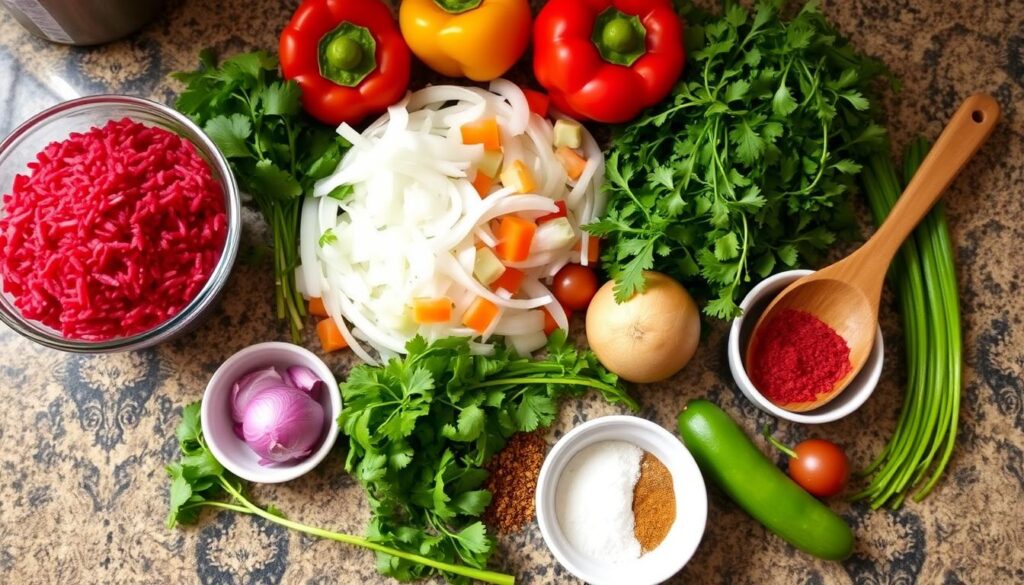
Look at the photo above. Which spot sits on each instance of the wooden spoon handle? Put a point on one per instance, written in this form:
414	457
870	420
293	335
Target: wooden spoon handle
966	131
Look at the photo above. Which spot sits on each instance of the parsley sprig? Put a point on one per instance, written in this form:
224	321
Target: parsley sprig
199	481
421	428
749	165
276	152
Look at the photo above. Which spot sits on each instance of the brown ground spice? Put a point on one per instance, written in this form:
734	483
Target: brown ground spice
513	482
654	503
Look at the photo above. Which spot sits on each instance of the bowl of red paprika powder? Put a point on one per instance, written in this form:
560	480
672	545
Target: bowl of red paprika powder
817	347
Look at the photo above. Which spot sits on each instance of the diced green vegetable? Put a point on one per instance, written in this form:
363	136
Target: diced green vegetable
490	164
554	235
487	268
568	133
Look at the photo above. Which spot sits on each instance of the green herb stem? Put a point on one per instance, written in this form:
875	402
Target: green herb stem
250	508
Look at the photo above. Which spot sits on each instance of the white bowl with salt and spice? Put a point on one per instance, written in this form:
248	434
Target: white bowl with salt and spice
621	500
848	401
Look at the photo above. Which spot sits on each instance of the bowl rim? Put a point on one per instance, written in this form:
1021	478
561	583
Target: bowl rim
206	296
683	539
280	473
861	387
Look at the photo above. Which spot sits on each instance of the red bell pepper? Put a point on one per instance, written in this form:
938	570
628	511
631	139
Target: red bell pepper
607	60
348	58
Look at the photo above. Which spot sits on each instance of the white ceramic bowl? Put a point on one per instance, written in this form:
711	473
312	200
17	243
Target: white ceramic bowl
848	401
691	502
215	413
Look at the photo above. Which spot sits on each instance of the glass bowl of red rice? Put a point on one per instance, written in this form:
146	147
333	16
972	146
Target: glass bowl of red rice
119	225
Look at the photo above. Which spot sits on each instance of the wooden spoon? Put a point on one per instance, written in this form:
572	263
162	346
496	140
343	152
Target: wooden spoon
846	294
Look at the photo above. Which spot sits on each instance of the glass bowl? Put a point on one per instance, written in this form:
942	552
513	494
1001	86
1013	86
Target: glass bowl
79	115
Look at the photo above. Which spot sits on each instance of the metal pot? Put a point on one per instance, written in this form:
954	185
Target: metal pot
82	22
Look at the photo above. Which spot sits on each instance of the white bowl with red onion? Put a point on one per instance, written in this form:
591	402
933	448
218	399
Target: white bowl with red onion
269	413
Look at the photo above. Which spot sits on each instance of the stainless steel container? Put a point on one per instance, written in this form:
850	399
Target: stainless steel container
82	22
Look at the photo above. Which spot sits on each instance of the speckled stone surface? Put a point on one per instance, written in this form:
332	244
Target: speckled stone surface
83	439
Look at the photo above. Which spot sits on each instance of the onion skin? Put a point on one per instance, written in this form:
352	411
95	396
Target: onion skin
648	338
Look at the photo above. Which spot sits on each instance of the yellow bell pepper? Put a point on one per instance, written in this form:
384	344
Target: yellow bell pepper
478	39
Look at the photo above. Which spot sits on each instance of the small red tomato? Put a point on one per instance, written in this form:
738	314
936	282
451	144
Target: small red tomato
574	286
820	467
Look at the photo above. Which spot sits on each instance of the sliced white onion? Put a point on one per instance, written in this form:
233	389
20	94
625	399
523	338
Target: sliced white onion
520	107
533	286
412	224
528	343
520	323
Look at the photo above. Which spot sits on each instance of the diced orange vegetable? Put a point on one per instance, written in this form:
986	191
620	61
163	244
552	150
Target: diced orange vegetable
483	184
518	177
484	132
437	310
549	322
330	335
480	314
562	212
515	236
509	280
316	307
539	102
593	250
571	161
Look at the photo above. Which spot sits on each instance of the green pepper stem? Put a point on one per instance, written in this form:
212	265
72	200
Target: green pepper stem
778	444
457	6
619	37
347	54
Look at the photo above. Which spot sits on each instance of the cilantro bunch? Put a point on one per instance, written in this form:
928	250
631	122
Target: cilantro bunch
276	152
748	166
198	481
421	428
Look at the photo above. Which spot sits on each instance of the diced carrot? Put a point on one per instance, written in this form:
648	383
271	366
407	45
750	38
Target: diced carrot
571	161
593	250
515	236
549	321
518	177
483	184
436	310
330	335
539	102
316	307
509	280
562	212
480	314
484	132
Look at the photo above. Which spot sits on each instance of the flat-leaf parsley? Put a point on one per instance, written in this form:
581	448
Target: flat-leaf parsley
748	166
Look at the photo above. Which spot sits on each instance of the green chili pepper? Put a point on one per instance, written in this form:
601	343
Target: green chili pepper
731	461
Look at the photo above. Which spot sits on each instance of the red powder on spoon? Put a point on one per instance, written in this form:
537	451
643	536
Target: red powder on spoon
797	357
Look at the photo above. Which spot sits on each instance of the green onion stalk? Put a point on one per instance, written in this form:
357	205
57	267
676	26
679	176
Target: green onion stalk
924	277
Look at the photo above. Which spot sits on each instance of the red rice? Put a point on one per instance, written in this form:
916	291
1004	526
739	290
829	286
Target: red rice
112	232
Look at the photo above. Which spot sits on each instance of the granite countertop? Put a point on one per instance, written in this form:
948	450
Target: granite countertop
83	439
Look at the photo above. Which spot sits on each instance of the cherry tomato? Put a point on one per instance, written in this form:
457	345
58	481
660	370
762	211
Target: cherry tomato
820	467
574	286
